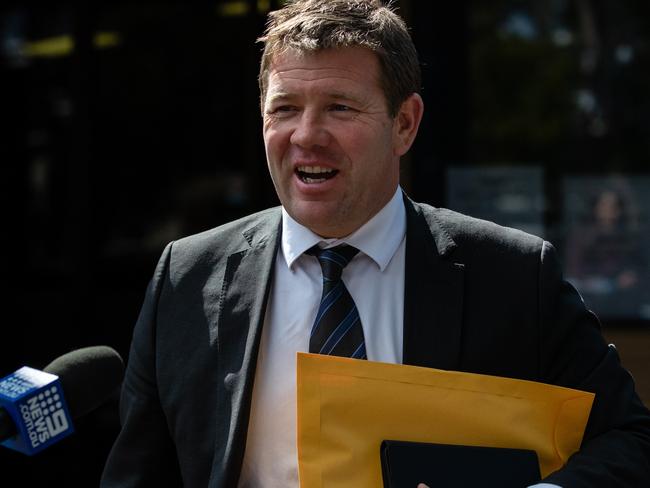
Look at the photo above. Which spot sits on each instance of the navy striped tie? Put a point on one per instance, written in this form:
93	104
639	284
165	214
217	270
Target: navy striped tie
337	329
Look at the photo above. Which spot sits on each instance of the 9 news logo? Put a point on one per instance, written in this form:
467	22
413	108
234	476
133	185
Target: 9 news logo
35	401
44	416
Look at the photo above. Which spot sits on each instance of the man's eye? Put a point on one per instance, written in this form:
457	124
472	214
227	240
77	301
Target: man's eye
282	110
337	107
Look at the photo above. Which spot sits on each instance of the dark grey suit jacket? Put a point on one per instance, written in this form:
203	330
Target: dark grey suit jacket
478	297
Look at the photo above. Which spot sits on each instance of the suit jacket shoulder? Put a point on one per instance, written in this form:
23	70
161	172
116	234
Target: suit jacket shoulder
479	235
212	245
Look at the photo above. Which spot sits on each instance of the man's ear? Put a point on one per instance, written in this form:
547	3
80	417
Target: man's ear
406	124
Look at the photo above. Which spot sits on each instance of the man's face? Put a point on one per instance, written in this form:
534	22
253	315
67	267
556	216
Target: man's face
330	143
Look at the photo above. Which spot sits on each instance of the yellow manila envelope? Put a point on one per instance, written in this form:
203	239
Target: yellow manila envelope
346	407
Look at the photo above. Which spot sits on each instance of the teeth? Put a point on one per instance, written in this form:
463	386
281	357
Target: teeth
317	174
314	169
314	180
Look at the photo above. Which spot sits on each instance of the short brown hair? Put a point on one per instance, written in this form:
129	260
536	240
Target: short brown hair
314	25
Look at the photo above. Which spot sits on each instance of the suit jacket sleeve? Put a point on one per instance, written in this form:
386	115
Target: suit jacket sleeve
143	454
616	447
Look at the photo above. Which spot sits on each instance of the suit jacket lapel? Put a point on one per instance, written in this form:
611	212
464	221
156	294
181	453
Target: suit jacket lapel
433	295
245	292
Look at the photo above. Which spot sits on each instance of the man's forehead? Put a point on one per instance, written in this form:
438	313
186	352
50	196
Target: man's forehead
331	80
355	60
347	66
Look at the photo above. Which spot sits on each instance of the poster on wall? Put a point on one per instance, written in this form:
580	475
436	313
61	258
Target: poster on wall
508	195
607	244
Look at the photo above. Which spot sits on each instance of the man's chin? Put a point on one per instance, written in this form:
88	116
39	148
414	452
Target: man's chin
326	222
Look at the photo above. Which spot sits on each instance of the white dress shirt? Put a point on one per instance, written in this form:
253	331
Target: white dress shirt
375	280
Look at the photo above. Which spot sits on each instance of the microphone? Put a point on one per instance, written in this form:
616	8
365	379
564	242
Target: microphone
34	413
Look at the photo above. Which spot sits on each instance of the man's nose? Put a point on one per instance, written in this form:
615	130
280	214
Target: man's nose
310	130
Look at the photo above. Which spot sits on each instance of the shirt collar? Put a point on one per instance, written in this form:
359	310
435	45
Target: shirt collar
378	238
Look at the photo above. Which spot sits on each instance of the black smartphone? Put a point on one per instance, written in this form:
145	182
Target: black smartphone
405	464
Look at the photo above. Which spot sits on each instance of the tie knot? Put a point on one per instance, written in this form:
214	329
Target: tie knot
333	260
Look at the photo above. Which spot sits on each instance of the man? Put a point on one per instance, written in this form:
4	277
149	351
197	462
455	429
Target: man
209	394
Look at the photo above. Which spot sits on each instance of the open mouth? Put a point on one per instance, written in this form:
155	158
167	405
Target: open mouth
315	174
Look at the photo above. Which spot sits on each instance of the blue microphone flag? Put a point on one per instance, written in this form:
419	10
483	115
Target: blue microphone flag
34	400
